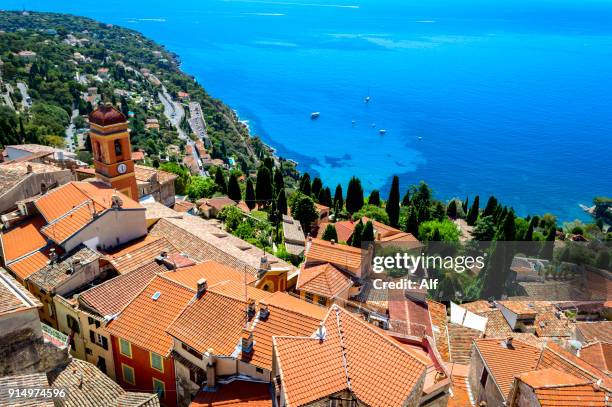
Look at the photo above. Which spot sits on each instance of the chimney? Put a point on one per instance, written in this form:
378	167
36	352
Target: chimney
378	236
321	332
29	169
52	256
264	312
75	262
247	343
264	266
211	372
251	310
117	202
333	241
508	343
202	287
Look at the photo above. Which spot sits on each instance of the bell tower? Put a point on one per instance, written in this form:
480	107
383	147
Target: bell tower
112	151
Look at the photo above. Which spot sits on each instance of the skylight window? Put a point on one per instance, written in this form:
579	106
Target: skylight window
156	295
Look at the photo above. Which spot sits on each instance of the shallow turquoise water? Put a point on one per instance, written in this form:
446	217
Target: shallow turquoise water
511	99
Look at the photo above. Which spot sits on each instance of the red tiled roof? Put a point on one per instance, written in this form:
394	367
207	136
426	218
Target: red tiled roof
22	239
598	354
214	273
555	388
182	206
145	319
29	265
218	202
106	115
504	363
340	255
112	296
138	155
460	342
352	355
595	331
140	252
236	394
324	279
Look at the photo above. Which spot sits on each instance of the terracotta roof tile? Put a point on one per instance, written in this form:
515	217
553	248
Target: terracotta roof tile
595	331
140	252
33	380
13	297
22	239
598	354
381	372
182	206
236	394
112	296
54	274
460	396
214	273
460	342
28	265
555	388
144	173
218	202
324	279
144	320
340	255
439	320
504	362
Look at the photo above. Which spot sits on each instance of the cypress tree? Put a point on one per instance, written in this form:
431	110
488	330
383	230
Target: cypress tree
529	234
393	203
374	198
269	163
406	198
357	233
466	204
220	181
250	194
412	224
330	233
354	195
305	186
368	232
281	202
508	230
325	197
549	244
490	208
233	189
451	209
316	187
473	214
263	190
435	237
279	181
338	198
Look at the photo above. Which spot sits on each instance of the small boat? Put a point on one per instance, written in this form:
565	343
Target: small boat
373	125
382	132
420	138
315	115
353	122
366	99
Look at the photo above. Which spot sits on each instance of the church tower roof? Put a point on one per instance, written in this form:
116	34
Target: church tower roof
106	115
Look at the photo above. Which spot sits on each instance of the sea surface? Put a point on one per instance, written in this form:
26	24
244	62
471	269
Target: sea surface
511	98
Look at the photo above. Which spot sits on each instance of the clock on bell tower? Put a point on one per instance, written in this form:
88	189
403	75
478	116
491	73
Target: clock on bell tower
111	148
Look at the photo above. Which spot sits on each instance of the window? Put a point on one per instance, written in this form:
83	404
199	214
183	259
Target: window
118	148
90	320
125	348
98	339
157	362
259	370
309	297
159	387
73	325
322	301
101	364
128	374
484	377
197	376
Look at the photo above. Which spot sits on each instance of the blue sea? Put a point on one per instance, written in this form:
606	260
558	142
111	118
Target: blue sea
511	98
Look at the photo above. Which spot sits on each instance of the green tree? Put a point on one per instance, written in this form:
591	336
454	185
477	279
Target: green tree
279	181
406	198
491	205
249	196
232	217
393	203
330	233
451	209
355	239
338	198
183	177
436	230
368	232
354	195
305	186
317	186
201	187
549	244
529	234
374	198
263	190
507	232
281	202
473	214
373	212
220	181
303	209
325	197
412	224
233	188
484	230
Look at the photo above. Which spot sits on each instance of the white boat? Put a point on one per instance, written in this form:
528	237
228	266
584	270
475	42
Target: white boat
366	99
382	132
315	115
